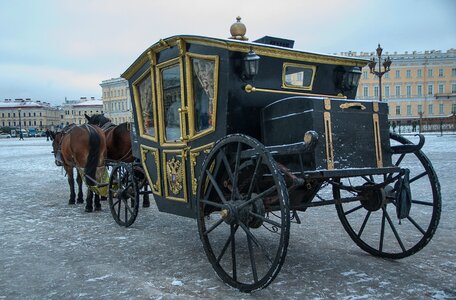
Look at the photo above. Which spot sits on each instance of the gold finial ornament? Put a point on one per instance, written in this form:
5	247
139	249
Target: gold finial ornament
238	30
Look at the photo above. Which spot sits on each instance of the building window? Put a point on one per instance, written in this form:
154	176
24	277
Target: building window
387	75
409	109
8	115
430	73
387	91
398	90
375	91
409	90
420	108
441	108
408	74
441	88
440	72
365	76
419	90
398	74
430	89
398	110
453	108
453	72
431	109
366	91
419	73
453	87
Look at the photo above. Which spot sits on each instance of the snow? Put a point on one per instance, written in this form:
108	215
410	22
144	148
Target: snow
50	250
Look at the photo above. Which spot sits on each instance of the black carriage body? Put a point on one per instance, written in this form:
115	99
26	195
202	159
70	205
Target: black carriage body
270	107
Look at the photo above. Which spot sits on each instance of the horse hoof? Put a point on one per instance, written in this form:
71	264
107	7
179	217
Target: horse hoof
71	202
103	198
80	201
146	203
88	209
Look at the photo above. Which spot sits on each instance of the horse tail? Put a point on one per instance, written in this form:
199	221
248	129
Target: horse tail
93	157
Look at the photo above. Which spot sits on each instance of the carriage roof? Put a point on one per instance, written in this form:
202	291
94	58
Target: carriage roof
243	46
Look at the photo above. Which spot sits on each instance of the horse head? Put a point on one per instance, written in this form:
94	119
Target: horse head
97	119
56	138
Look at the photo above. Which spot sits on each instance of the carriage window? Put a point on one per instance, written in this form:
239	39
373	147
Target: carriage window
203	93
171	85
298	76
145	96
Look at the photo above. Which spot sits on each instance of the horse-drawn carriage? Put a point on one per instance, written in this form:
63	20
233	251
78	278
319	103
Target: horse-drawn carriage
243	136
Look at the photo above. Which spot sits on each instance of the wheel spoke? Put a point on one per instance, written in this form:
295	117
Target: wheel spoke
254	239
252	258
416	225
260	195
364	224
227	243
394	230
215	225
254	177
418	177
233	251
236	172
216	187
118	209
353	209
267	220
422	202
399	160
382	232
215	173
216	204
115	203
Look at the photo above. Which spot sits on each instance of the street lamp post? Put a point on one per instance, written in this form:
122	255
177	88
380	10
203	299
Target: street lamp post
20	125
380	73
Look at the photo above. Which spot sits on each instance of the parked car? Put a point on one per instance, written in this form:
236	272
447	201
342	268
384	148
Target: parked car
5	135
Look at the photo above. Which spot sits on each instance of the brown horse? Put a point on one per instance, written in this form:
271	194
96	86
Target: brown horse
118	144
84	148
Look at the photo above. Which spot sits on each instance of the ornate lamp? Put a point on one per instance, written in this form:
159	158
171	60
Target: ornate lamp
250	64
380	73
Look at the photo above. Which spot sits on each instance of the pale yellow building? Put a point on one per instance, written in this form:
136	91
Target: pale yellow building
33	114
420	88
116	100
74	111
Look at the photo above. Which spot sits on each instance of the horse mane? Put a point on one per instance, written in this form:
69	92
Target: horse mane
92	158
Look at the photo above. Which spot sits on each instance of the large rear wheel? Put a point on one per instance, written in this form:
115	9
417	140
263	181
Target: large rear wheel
395	221
243	213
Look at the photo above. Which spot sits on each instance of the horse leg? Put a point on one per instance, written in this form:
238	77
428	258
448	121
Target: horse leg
80	195
89	201
146	202
97	203
70	175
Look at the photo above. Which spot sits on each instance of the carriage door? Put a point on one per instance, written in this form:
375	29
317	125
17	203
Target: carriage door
173	133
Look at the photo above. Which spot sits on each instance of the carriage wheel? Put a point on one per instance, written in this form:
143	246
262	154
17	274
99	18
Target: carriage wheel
243	213
394	222
123	195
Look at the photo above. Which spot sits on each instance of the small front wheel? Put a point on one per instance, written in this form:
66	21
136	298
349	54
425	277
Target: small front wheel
123	195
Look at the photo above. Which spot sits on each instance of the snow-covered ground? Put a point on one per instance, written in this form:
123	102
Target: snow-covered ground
50	250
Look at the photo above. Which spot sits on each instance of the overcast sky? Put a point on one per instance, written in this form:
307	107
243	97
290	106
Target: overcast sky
50	50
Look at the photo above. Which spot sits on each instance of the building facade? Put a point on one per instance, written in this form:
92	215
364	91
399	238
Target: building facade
27	114
116	100
420	89
74	110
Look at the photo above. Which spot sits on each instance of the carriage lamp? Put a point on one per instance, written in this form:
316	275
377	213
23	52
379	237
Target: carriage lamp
351	78
346	81
251	63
